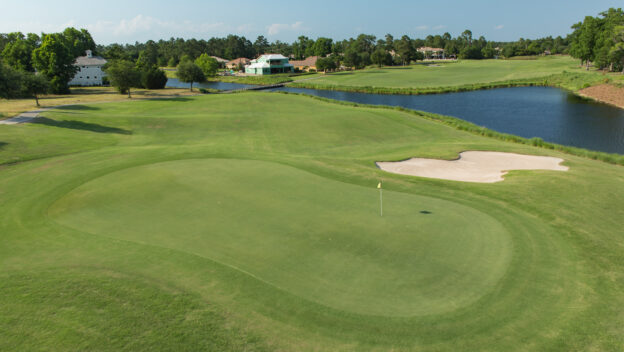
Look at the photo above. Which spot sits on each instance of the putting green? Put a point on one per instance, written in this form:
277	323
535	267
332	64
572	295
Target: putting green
279	225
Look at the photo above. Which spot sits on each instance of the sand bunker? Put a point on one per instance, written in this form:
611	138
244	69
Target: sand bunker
473	166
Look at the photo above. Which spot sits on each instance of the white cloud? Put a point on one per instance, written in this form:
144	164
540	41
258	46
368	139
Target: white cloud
147	24
500	26
277	28
422	28
245	28
438	27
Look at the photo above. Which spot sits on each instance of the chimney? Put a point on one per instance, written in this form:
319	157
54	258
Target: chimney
89	53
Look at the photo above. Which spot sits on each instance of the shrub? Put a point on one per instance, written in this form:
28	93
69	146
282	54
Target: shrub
153	78
208	90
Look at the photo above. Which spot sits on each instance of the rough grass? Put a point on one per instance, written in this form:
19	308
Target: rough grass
13	107
249	222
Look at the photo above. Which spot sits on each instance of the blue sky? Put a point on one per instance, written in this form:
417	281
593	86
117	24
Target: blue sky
128	21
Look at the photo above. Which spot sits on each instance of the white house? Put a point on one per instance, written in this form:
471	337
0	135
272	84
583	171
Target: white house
90	71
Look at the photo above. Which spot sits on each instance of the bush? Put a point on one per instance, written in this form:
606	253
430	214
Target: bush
153	78
208	90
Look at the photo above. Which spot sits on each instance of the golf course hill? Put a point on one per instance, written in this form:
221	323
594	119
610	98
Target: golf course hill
251	222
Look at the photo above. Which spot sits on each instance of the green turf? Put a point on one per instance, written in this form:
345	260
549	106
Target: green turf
320	258
461	73
250	222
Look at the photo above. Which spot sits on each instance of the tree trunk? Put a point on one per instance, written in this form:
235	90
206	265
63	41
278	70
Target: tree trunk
37	99
129	96
191	86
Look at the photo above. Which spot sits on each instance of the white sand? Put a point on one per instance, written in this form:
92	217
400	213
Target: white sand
473	166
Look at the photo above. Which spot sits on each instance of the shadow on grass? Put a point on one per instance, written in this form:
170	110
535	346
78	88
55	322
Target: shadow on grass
79	125
179	99
2	144
340	74
426	212
79	107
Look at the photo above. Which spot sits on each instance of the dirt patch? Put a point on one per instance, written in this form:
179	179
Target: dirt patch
473	166
605	93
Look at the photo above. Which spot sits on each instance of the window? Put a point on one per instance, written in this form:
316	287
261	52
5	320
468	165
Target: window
87	77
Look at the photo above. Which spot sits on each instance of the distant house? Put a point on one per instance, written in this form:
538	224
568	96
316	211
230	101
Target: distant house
432	53
305	65
268	64
234	64
90	71
222	62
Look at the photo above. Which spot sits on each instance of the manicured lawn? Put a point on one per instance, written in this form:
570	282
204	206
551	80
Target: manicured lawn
250	222
450	74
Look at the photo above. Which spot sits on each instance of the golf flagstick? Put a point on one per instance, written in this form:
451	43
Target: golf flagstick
380	199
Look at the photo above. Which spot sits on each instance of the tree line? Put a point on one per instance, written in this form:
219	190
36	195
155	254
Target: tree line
600	40
34	64
31	65
357	51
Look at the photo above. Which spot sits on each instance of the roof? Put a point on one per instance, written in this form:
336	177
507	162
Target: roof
240	60
258	65
309	61
219	60
90	61
273	57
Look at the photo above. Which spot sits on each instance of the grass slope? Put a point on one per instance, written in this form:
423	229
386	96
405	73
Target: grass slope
249	222
450	74
465	75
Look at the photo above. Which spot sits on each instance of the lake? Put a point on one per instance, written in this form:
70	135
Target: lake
549	113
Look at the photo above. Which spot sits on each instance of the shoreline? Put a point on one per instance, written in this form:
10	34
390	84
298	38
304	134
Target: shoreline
604	94
586	93
420	91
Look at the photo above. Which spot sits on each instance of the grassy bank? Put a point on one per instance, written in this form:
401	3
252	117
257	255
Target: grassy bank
462	76
464	125
251	221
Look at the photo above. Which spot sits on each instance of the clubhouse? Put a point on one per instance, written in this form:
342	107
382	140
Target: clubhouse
269	64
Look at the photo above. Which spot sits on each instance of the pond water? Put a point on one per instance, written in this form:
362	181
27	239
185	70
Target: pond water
549	113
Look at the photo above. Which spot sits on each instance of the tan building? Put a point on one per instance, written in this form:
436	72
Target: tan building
222	62
305	65
236	63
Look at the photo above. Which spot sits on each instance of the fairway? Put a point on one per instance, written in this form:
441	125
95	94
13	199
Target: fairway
449	74
250	222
